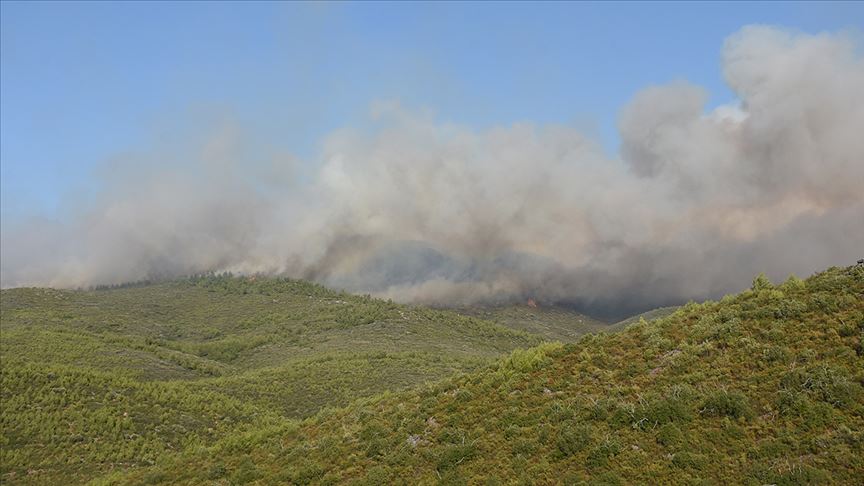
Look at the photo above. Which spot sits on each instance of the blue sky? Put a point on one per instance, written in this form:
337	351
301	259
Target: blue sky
84	82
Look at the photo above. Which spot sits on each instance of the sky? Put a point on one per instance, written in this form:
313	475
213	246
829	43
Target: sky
84	83
613	157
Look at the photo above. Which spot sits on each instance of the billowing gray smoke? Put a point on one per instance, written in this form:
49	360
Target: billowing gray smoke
422	211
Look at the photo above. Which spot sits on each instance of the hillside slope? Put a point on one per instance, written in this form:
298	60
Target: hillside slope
760	388
650	315
552	323
95	381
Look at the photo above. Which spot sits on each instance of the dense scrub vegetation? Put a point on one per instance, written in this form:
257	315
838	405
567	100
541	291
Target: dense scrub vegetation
226	380
122	377
647	316
760	388
554	323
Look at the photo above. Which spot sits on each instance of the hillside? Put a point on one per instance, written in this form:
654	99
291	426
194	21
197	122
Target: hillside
650	315
553	323
760	388
99	380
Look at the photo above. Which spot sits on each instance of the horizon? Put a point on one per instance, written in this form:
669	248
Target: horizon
586	154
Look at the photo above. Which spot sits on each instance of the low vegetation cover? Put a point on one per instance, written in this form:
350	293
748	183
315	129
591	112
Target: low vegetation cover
764	387
119	378
647	316
227	380
554	323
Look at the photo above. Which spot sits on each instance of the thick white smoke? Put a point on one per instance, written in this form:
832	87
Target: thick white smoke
436	213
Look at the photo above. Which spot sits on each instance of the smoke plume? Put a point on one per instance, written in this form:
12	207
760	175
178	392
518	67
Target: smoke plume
422	211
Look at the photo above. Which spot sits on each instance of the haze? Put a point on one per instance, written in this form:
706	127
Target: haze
670	195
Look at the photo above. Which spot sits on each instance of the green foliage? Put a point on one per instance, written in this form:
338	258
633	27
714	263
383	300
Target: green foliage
761	282
826	383
600	455
661	411
689	460
452	455
125	377
724	403
793	283
644	317
552	322
573	439
525	360
764	387
670	436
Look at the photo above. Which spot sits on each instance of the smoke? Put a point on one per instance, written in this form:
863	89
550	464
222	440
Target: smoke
422	211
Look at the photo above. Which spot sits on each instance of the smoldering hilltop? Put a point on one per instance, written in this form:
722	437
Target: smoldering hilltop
423	211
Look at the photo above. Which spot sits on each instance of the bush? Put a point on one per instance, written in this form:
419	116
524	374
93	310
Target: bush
525	360
791	403
789	309
793	283
216	472
670	436
730	404
773	354
308	472
246	473
599	456
452	455
573	439
761	282
796	475
688	460
847	330
524	447
661	411
607	479
828	384
559	412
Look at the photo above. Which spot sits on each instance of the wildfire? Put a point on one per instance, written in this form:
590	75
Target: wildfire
532	303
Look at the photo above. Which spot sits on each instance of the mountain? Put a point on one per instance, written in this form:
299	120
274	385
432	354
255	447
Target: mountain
764	387
118	378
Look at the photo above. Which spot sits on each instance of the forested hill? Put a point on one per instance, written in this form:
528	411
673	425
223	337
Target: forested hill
760	388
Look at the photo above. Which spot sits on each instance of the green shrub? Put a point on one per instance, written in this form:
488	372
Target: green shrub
573	439
246	473
670	436
688	460
525	447
847	330
525	360
606	479
723	403
795	475
789	309
793	283
660	411
828	384
451	456
305	472
774	354
761	282
155	477
558	412
216	471
599	455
